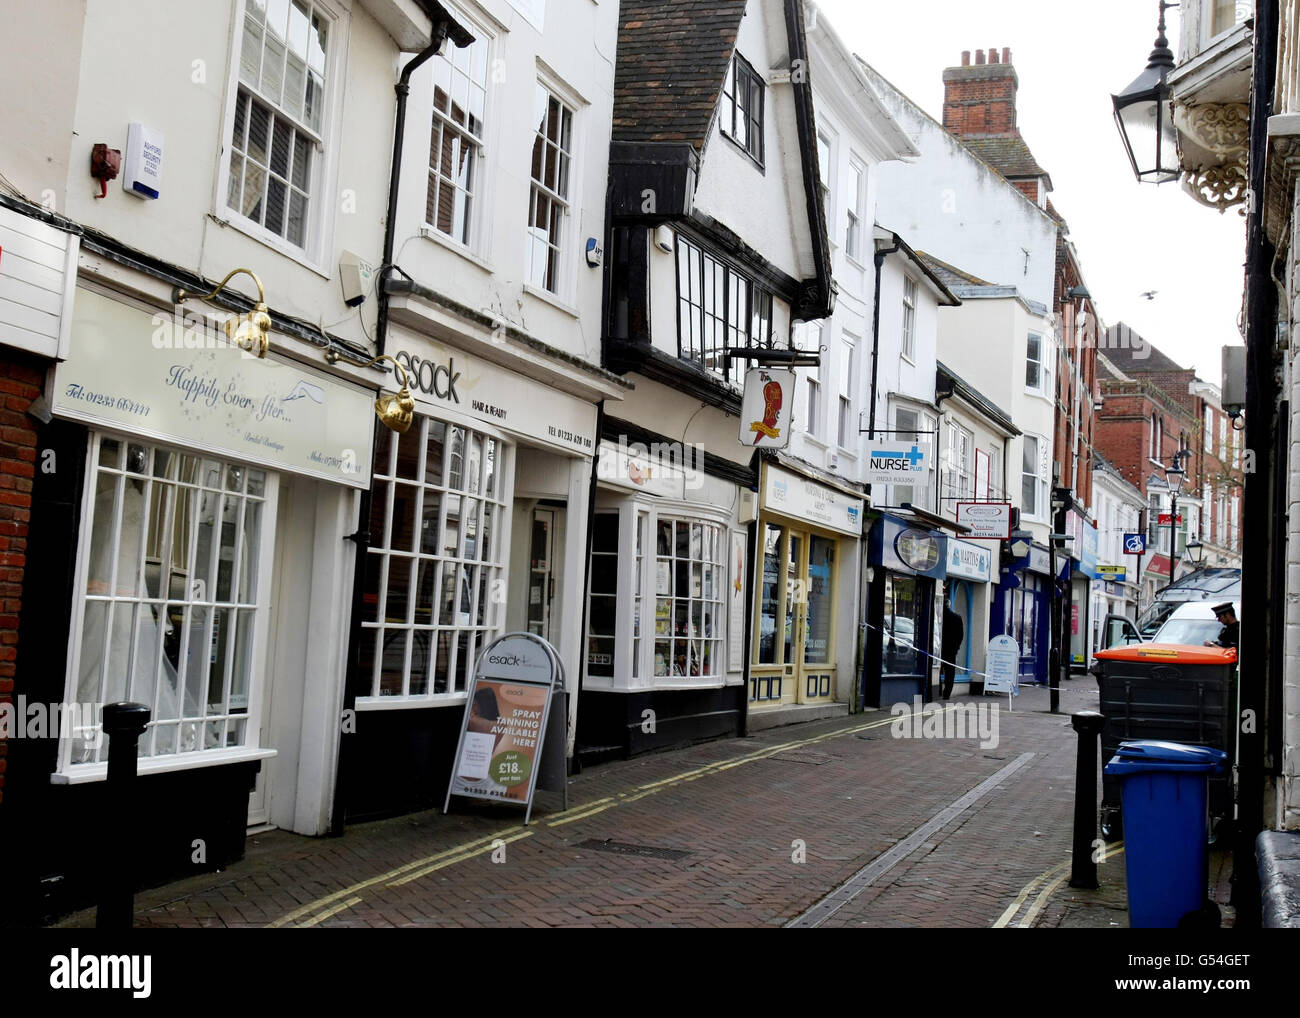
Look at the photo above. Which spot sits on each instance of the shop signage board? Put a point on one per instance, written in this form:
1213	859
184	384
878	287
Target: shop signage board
452	379
890	462
767	408
130	371
802	498
512	732
1002	667
736	602
1165	519
1135	544
988	521
660	469
1088	550
969	561
1113	574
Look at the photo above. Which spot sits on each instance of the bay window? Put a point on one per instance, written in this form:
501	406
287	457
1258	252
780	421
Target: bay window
657	603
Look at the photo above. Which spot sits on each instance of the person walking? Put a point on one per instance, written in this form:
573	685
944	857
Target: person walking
954	631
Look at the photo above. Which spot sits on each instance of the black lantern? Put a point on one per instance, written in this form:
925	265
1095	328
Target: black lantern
1144	115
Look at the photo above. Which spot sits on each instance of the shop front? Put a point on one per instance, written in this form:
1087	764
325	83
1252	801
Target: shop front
664	660
969	571
804	646
191	528
905	562
1022	610
477	527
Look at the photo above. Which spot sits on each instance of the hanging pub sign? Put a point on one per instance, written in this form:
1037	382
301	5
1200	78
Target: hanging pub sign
895	463
988	521
504	732
766	408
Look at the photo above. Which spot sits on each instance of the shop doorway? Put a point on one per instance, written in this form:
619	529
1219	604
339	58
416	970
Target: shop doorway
794	640
541	571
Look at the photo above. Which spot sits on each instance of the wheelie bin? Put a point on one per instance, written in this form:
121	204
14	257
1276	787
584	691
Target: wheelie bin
1163	789
1172	692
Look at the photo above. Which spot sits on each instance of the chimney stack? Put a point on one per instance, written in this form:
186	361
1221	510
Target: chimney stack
965	58
980	98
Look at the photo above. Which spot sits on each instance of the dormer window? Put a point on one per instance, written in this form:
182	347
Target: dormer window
742	107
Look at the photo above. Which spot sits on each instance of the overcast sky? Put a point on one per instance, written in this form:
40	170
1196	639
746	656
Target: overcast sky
1069	58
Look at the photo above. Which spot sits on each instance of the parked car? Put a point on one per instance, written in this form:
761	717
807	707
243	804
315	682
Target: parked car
1210	586
1193	624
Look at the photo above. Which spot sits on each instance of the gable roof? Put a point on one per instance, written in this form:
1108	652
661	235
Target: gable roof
950	274
1006	153
1133	355
672	59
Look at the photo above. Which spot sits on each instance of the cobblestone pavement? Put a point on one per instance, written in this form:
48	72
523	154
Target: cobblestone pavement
904	832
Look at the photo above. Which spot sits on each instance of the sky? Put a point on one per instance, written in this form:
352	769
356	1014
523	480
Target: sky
1070	58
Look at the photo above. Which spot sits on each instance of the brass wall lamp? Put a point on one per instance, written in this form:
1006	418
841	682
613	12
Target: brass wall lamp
250	331
395	410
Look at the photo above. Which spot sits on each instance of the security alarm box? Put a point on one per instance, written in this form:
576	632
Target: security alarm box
142	174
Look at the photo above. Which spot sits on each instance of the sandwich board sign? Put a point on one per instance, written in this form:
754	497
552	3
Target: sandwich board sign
1002	667
509	743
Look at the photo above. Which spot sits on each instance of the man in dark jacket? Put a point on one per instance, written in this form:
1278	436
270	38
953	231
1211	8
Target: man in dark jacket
1231	631
954	631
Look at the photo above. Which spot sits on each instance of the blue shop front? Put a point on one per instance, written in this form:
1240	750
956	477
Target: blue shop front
905	562
1021	610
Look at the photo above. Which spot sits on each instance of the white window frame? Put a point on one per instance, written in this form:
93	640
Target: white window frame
69	772
911	295
314	254
632	512
827	167
488	571
1042	509
481	210
847	430
566	249
928	440
730	108
1043	388
854	232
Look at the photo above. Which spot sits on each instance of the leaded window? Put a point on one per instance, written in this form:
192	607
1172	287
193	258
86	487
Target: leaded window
717	307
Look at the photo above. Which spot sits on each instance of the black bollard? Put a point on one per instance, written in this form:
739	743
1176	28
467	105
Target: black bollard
1083	870
123	724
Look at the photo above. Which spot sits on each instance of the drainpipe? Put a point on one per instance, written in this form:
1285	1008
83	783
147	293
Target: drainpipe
880	256
361	538
403	90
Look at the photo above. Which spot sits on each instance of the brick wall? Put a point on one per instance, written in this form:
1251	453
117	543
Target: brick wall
21	381
981	99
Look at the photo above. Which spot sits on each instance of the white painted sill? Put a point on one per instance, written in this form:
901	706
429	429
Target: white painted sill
84	774
410	702
267	239
550	298
442	240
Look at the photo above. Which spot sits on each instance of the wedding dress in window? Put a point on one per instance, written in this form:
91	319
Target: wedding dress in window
118	671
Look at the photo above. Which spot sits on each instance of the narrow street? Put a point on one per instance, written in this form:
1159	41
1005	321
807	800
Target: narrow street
834	823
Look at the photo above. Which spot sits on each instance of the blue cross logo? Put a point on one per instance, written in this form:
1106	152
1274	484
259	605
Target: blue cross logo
915	457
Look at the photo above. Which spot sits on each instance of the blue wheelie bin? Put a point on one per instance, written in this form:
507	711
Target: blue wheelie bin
1165	803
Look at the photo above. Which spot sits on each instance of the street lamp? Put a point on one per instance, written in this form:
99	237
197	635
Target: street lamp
1195	552
1174	479
1144	116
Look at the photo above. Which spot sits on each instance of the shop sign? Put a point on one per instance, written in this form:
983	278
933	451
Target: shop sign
792	494
1113	574
1167	519
895	463
894	544
1040	560
988	521
1002	666
1135	544
487	392
767	408
213	397
918	549
969	561
1088	550
505	725
664	469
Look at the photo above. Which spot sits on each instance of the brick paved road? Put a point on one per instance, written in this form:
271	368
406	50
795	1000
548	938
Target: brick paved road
731	818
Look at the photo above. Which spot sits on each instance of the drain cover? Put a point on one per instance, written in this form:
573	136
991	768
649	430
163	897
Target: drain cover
622	848
804	757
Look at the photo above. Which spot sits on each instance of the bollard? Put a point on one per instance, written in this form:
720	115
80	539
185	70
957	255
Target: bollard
123	724
1083	870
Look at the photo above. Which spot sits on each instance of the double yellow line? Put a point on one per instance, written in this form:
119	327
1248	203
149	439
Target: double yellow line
316	912
1045	884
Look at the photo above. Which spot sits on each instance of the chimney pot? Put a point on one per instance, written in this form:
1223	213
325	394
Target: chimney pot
979	57
965	58
993	56
1006	54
